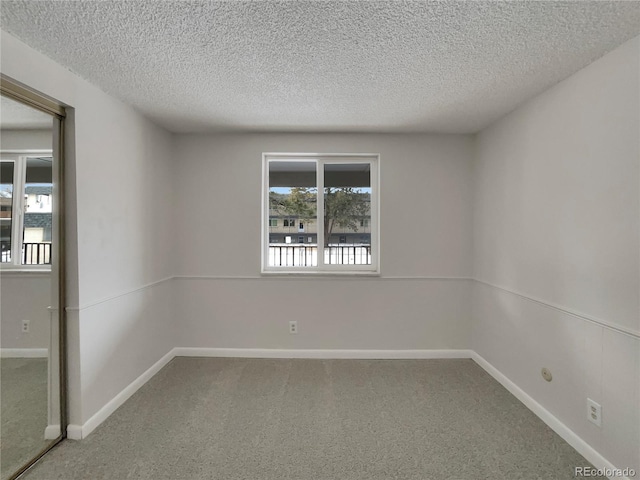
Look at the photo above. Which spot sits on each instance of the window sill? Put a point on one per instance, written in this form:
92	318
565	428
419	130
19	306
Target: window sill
319	273
24	270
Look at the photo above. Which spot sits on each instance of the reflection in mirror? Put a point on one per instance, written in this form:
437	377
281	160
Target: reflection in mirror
28	286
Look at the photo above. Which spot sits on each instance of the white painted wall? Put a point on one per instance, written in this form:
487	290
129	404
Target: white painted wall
119	181
556	225
426	206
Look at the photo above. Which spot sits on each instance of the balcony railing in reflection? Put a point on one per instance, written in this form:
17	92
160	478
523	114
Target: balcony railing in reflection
306	255
32	253
36	254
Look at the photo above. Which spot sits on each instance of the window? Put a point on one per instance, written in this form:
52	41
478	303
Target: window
333	200
25	219
273	222
6	209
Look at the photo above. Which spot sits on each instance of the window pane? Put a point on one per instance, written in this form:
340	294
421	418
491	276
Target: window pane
6	209
38	209
347	214
293	198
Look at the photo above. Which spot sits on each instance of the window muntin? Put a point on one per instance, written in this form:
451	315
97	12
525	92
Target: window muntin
342	219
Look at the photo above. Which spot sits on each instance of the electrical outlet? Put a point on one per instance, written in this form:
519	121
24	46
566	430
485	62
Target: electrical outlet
293	327
594	412
25	326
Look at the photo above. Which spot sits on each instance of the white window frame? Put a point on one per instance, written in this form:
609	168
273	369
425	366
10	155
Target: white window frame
322	159
19	159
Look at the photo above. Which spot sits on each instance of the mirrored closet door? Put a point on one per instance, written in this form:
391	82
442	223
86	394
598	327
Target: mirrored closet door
31	411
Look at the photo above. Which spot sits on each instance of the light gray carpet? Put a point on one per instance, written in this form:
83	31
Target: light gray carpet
23	411
206	418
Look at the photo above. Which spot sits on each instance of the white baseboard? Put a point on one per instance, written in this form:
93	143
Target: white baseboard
74	432
24	353
52	432
315	353
568	435
78	432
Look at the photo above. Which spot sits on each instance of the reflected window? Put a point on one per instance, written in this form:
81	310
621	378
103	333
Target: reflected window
7	169
26	219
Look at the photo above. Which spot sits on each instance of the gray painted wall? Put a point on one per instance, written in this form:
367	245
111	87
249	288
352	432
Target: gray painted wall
557	220
119	193
425	218
25	139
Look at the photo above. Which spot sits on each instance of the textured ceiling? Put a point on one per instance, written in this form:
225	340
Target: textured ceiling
15	115
447	66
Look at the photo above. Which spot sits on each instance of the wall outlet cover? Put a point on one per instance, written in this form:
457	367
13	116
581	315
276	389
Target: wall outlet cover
594	412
